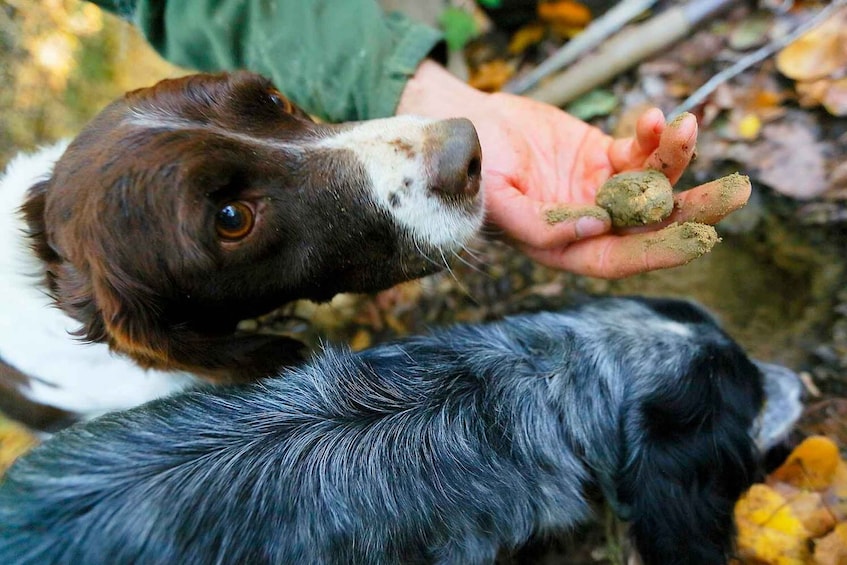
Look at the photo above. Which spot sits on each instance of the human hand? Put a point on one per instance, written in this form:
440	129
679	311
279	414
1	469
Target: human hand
541	169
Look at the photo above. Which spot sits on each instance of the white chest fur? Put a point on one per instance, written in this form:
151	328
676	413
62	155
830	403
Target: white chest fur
35	336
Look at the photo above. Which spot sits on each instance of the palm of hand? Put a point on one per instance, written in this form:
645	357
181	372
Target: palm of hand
560	160
537	158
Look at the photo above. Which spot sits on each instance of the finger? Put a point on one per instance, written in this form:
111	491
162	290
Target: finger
543	225
630	153
648	131
612	257
711	202
706	204
676	147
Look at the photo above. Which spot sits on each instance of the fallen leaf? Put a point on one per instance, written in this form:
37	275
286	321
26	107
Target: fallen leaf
362	339
812	464
813	513
526	37
768	531
14	442
751	32
832	549
749	126
817	61
818	53
598	102
836	496
789	159
564	13
835	99
492	75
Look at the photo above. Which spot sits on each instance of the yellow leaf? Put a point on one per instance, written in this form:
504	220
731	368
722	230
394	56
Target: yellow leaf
811	465
361	340
749	126
768	531
14	442
525	37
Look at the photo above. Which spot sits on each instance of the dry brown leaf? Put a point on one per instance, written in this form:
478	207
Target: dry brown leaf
817	61
836	496
835	99
832	549
812	464
789	159
819	53
811	92
768	530
831	94
813	513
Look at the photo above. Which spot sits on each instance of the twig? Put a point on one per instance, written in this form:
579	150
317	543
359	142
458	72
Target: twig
627	48
700	95
591	37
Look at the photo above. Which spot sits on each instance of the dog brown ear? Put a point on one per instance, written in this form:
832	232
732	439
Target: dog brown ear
127	316
134	327
70	289
33	213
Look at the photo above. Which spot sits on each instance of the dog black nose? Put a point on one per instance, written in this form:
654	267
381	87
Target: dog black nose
456	158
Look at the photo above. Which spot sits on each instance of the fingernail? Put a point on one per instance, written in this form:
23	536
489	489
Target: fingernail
589	227
677	121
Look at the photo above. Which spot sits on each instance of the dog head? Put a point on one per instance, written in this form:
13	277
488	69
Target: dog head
188	206
696	414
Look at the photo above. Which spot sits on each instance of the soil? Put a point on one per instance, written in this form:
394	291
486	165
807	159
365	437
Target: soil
558	215
636	198
690	239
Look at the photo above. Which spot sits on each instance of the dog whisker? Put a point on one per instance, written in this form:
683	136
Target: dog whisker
468	264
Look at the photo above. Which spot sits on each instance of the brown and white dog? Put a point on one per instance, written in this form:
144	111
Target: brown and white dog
184	208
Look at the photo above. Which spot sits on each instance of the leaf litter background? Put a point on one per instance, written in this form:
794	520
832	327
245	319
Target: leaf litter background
777	280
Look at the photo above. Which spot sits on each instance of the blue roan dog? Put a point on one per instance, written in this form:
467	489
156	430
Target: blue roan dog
437	449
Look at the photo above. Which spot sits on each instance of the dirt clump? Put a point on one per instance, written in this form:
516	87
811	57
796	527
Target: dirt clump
690	239
636	198
565	213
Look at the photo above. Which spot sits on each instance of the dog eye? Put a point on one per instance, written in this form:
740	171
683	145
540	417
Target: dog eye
276	97
234	221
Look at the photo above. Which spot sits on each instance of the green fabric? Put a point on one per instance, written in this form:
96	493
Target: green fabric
339	59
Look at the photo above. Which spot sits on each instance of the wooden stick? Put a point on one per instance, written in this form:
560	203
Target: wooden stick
700	95
627	49
591	37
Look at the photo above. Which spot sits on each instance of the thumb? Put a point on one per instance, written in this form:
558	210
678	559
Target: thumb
544	225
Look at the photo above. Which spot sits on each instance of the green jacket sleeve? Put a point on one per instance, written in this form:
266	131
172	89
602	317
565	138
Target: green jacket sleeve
339	59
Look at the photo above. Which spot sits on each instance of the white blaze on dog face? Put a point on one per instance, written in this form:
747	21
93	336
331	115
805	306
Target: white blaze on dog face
208	199
404	158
